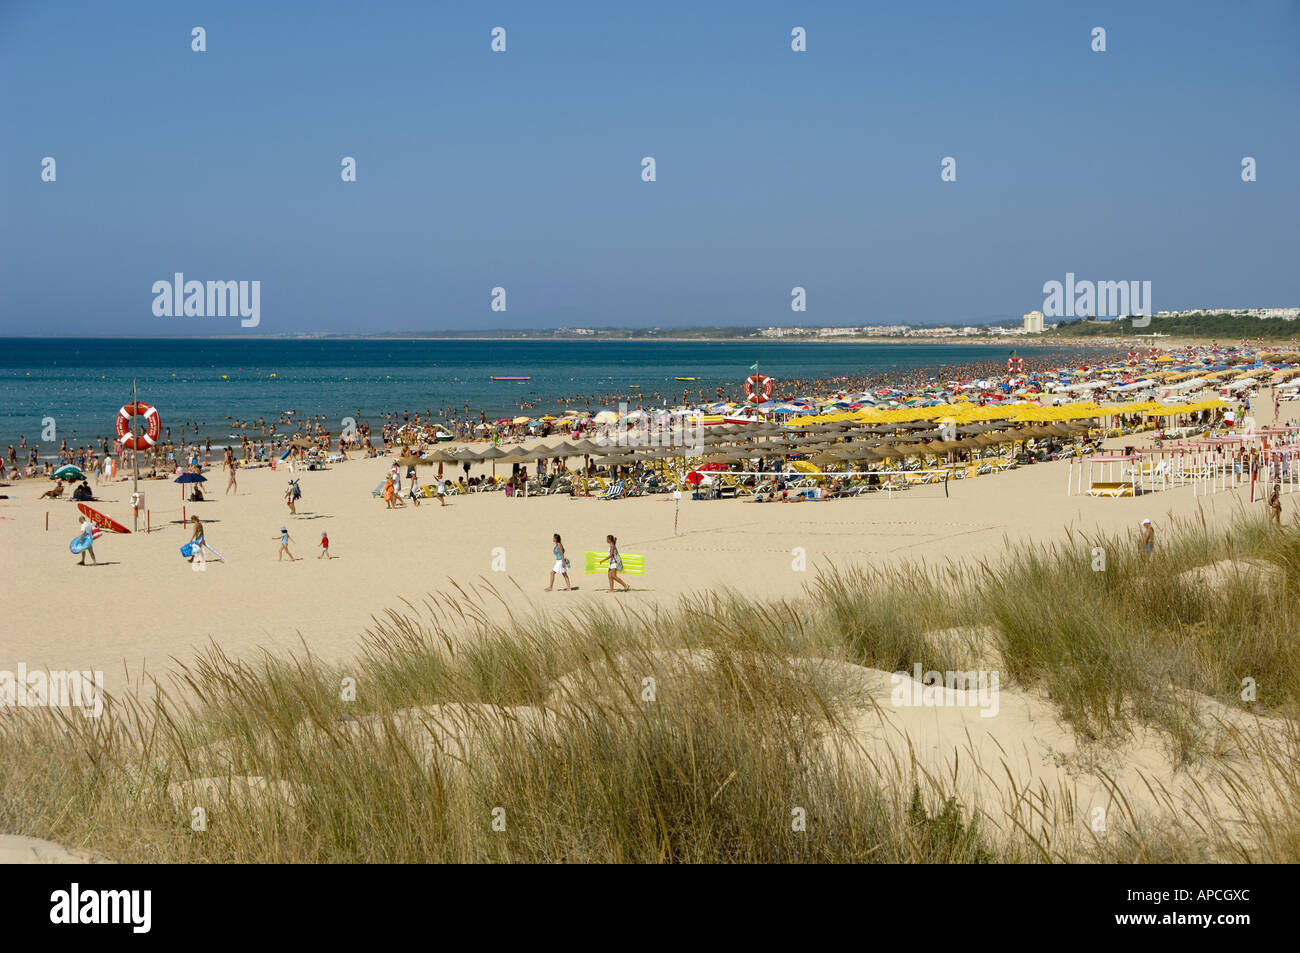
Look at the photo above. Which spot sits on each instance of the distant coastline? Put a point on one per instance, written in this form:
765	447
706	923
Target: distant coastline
1047	342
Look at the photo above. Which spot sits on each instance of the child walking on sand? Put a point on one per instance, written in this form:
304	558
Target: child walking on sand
615	563
324	546
88	531
561	564
284	544
196	538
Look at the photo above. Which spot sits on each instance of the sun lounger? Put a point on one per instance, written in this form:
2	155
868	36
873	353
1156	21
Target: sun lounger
1112	490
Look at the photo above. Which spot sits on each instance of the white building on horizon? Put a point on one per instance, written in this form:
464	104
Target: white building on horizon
1034	322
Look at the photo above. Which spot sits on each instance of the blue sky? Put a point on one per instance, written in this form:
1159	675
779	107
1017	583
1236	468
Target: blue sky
522	169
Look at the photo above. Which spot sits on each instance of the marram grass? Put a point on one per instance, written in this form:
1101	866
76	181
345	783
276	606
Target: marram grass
690	734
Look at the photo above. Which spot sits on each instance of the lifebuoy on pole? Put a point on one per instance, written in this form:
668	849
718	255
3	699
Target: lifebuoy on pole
757	384
1015	365
153	426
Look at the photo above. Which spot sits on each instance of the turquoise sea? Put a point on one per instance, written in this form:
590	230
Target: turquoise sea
81	382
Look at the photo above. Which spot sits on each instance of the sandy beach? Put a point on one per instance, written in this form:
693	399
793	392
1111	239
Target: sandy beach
144	604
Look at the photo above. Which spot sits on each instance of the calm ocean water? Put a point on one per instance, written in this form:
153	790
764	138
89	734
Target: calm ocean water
82	382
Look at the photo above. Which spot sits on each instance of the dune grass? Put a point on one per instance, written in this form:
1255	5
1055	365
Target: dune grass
697	733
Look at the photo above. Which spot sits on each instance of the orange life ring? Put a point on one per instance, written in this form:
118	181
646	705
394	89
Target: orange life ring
758	382
153	426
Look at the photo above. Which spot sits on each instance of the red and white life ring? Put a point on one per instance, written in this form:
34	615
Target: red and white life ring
758	383
1015	365
153	426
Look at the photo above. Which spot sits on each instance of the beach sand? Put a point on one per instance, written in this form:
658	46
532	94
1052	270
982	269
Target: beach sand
144	604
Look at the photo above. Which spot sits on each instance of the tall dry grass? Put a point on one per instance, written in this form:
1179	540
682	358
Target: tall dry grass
698	733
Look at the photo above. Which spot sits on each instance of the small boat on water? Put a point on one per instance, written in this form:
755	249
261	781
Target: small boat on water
512	378
683	378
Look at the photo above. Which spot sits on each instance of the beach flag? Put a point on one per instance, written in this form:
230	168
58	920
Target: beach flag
754	366
632	565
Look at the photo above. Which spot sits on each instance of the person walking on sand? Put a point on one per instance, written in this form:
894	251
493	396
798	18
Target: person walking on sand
229	464
88	531
615	563
1275	505
561	564
285	539
324	546
442	491
291	496
196	537
1148	537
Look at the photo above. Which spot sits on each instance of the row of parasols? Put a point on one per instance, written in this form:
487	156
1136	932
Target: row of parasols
835	442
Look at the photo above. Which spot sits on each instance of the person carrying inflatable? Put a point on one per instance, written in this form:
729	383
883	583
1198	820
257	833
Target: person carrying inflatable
85	543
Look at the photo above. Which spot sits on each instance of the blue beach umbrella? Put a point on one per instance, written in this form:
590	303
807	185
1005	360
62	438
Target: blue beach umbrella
189	478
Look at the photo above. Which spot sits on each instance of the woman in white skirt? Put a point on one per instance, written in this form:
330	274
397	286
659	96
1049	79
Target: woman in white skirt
561	566
615	563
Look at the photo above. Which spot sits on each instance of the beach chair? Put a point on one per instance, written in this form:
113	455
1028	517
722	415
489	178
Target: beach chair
378	491
1111	490
616	491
